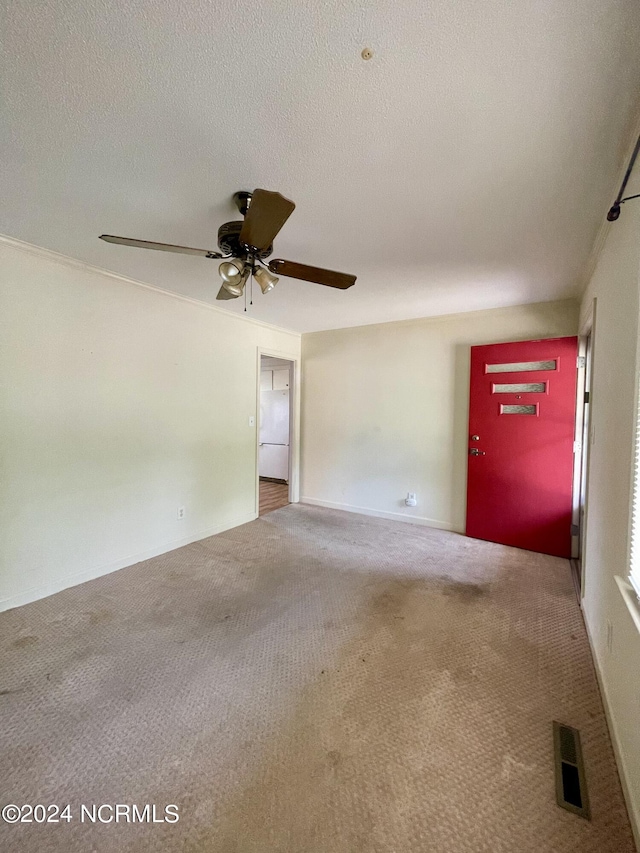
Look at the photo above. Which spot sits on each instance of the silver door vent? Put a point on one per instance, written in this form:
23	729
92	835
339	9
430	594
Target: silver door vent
571	785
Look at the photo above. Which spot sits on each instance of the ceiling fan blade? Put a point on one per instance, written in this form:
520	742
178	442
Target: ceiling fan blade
268	211
223	293
162	247
341	280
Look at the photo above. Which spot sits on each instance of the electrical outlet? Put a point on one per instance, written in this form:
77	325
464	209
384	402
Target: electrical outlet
180	513
609	637
410	500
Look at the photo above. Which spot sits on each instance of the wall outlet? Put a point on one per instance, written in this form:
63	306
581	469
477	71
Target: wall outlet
180	513
410	499
609	637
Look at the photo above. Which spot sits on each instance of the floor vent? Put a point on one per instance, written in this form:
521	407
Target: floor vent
571	786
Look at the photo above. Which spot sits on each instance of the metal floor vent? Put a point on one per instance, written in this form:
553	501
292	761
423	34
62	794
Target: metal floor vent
571	785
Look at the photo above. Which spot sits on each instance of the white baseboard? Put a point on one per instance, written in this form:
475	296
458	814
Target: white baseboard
623	770
393	516
59	584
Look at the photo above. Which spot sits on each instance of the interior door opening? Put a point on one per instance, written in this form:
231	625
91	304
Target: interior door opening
274	437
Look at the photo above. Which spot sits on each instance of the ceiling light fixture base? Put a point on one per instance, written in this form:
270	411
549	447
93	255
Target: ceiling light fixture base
242	200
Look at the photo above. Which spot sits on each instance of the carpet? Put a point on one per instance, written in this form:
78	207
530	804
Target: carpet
312	681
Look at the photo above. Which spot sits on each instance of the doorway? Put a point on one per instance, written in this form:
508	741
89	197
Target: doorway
522	409
274	432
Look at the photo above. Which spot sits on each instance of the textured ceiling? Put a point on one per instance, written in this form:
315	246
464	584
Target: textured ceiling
467	165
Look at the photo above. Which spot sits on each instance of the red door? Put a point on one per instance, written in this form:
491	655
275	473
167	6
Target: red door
521	432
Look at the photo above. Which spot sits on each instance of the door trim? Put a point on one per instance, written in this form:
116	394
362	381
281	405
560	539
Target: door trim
586	330
294	423
581	388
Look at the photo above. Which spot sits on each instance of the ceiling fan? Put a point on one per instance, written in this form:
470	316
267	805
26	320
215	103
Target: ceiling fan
244	245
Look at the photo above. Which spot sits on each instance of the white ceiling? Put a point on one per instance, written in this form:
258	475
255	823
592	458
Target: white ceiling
467	165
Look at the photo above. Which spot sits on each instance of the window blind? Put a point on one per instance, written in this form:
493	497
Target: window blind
634	556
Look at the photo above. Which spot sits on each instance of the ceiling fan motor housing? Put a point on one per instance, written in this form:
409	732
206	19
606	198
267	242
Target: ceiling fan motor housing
229	241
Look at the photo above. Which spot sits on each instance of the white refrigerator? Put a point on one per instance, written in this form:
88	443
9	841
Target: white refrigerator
273	456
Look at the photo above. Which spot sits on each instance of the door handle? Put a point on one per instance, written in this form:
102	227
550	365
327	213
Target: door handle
473	451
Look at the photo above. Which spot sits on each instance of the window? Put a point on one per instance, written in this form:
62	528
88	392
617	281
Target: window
519	410
521	366
520	388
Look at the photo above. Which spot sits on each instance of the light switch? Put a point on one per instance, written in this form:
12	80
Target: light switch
252	420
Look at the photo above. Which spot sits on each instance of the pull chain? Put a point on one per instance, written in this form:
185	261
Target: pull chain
252	262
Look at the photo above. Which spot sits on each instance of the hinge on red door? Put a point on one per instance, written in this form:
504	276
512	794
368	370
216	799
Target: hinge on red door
582	361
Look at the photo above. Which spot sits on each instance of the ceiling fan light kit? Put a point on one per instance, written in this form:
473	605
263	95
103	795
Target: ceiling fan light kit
246	244
265	279
234	275
230	270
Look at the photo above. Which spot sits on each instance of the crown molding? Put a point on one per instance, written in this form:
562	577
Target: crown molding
66	260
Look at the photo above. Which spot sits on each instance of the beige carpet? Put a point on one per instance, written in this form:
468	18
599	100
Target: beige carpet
312	682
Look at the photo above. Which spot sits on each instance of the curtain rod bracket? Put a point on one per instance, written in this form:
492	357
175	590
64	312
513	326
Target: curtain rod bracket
614	210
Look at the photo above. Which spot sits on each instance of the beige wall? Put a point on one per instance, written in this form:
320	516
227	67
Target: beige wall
385	409
614	385
119	404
